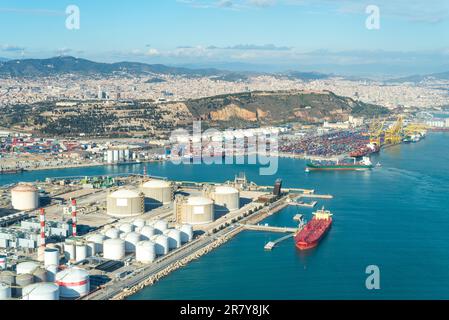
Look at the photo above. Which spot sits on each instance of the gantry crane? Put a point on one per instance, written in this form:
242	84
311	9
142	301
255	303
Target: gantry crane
395	133
415	128
376	131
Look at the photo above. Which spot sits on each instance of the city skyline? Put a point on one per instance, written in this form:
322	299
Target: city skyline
326	36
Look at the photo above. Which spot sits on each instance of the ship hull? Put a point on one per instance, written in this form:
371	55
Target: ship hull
339	168
304	245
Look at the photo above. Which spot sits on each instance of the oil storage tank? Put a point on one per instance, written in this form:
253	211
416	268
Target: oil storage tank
194	210
158	192
113	233
226	198
131	240
162	246
81	251
27	267
174	238
5	291
8	277
145	252
22	280
126	227
98	240
186	232
40	275
51	262
25	197
114	249
70	249
125	203
147	232
73	283
159	225
41	292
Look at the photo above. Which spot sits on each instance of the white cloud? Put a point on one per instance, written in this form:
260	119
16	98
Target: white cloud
152	52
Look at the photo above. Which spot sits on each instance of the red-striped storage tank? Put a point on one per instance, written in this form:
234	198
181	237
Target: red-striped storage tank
73	283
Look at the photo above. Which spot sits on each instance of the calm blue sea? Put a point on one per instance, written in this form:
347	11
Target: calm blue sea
395	217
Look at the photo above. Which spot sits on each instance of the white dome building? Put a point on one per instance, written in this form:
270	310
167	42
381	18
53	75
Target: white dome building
114	249
226	198
41	291
73	283
125	203
194	210
158	192
25	197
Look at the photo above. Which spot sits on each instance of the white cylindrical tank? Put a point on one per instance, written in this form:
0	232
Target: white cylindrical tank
81	251
226	198
25	197
115	156
126	227
160	225
162	246
41	291
146	252
174	238
125	203
186	232
138	223
158	191
113	233
3	260
70	250
147	232
5	291
51	261
114	249
131	240
73	283
51	257
197	211
91	249
27	267
110	157
22	280
98	240
8	277
40	275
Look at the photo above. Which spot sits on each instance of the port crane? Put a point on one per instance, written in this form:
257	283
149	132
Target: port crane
415	128
376	130
395	133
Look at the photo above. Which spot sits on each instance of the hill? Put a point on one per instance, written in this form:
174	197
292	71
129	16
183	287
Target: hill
66	65
420	78
241	110
266	108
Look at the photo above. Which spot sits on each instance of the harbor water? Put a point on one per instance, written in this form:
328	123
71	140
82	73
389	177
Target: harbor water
394	217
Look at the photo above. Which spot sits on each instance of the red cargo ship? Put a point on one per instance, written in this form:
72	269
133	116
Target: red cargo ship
310	236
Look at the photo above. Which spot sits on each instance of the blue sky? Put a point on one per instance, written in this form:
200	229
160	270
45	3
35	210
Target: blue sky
323	35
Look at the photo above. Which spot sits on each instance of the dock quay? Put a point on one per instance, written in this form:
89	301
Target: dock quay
269	228
303	204
270	245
